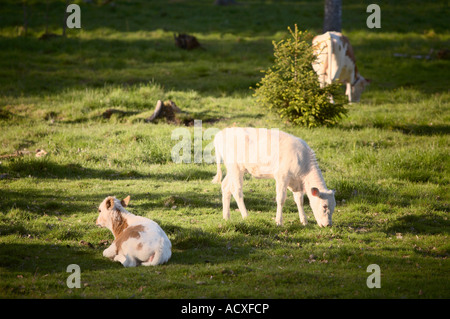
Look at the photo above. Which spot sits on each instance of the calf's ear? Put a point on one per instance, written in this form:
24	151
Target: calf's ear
110	203
315	191
125	201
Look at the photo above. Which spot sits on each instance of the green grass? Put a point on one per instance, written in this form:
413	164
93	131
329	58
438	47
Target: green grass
388	159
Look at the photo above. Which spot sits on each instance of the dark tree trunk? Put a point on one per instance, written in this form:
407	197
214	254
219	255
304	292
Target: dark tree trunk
333	16
25	18
65	19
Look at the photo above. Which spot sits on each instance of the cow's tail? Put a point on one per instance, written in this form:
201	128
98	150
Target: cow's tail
218	178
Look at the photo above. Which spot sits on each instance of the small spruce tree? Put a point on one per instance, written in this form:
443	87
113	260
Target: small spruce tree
291	87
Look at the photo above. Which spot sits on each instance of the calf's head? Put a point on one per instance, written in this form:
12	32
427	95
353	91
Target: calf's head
110	212
322	204
358	88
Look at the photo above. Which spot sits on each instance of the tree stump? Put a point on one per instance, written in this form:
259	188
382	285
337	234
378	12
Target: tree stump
165	110
186	41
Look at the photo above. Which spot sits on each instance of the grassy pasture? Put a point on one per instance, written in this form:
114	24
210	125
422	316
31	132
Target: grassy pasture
388	159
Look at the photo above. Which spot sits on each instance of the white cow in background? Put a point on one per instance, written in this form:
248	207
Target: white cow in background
272	154
336	61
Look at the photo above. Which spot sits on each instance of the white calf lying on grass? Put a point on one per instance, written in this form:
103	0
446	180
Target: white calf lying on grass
272	154
137	240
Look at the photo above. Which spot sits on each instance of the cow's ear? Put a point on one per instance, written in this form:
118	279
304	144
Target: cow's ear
125	201
110	203
315	191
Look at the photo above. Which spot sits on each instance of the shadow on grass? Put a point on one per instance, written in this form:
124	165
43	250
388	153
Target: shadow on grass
419	130
34	202
190	246
420	224
100	62
54	66
33	257
229	241
408	129
43	168
31	203
247	17
180	16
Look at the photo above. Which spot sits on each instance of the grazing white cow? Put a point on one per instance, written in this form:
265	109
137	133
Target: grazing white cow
336	61
272	154
137	240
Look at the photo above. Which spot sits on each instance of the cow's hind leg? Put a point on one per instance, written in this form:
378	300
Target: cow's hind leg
126	260
232	185
238	193
226	197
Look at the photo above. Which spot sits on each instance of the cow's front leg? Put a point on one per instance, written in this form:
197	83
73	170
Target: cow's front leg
348	92
111	251
298	198
281	198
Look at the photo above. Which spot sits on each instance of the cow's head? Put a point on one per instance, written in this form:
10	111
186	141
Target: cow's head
358	87
322	204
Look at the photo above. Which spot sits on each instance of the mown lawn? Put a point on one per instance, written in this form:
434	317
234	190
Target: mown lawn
388	159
